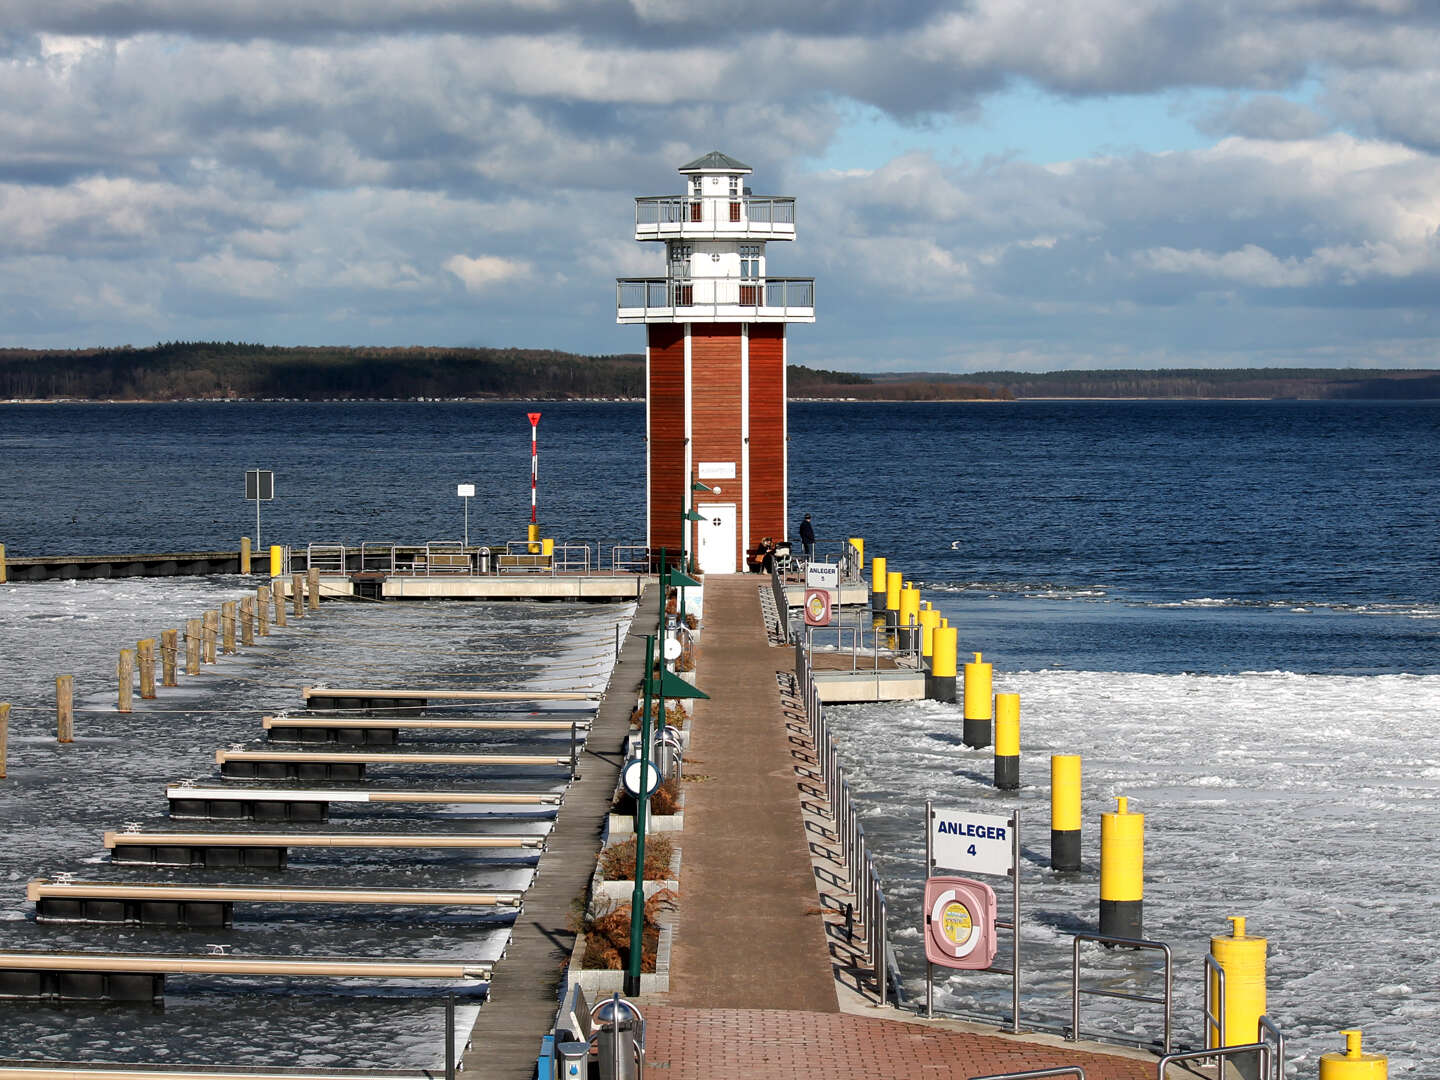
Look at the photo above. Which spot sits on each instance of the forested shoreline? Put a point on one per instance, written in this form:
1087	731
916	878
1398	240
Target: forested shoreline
187	371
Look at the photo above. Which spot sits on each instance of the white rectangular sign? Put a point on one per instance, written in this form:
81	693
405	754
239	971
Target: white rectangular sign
822	575
716	470
972	843
465	491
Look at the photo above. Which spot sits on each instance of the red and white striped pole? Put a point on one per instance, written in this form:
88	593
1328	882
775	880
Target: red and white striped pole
534	531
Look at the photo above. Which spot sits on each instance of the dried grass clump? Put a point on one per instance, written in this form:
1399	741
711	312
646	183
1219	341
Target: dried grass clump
607	934
617	862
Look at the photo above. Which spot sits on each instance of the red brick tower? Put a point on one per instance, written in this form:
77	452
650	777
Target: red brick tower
715	363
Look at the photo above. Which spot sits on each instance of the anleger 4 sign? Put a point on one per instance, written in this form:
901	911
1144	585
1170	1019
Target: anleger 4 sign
972	843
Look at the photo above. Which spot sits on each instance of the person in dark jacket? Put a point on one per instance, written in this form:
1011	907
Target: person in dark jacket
807	538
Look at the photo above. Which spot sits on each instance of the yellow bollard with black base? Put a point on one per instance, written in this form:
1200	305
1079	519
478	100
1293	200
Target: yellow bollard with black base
978	678
929	623
1065	812
1007	741
277	560
878	579
1122	872
1242	959
909	617
894	582
940	682
1353	1064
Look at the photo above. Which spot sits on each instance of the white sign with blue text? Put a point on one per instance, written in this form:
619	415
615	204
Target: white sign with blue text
972	843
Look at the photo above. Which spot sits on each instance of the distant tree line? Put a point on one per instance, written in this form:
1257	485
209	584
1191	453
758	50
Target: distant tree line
188	370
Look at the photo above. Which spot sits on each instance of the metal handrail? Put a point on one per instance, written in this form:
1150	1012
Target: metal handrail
1063	1070
1269	1027
567	559
1215	1015
636	558
377	558
667	294
327	558
1130	943
682	210
1260	1049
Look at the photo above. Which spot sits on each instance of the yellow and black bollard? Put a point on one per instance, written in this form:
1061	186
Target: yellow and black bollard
909	617
1065	812
1353	1064
1243	961
277	560
929	622
976	731
1122	873
858	543
941	680
1007	741
894	582
878	580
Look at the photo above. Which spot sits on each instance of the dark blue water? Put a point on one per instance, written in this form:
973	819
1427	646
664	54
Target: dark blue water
1132	536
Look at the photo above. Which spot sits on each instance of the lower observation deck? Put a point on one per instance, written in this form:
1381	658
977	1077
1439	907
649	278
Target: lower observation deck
663	300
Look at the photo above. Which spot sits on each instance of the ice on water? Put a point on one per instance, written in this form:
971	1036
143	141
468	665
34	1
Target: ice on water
58	800
1309	804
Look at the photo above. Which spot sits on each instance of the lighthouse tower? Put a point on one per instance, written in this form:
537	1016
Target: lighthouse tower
715	363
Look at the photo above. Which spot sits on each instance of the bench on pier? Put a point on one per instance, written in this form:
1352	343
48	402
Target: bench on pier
115	977
350	765
373	731
523	562
270	851
301	804
212	906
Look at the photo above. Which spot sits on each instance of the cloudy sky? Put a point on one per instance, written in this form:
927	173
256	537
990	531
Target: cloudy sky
1014	184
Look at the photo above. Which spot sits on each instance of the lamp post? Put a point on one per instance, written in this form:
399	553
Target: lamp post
642	804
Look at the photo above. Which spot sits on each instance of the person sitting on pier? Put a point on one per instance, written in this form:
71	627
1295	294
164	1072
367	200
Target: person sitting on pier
762	559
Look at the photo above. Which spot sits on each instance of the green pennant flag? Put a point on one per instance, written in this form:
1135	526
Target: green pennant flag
672	686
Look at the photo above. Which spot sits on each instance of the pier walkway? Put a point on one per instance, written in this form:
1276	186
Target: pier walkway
760	980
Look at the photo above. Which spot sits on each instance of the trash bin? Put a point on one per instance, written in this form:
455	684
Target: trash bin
618	1036
484	557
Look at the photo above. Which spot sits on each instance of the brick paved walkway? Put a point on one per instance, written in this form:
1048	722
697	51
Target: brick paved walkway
769	1044
753	977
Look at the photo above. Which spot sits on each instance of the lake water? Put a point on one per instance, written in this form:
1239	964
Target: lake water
1230	609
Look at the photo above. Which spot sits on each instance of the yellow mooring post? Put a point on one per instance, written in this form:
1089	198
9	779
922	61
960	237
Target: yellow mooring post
1065	812
312	588
4	736
277	560
978	678
940	682
909	617
532	538
244	554
894	582
858	543
878	578
169	656
65	708
1243	961
125	672
1352	1064
1122	872
929	623
145	661
1007	741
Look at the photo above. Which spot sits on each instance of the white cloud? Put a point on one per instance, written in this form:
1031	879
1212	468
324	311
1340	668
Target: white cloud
483	272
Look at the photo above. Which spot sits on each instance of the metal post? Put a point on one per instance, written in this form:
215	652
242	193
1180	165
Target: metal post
925	915
1015	919
637	896
534	461
449	1037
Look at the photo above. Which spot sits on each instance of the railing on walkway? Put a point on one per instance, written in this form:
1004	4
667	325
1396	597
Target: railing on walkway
1063	1070
1260	1050
327	558
630	559
864	881
456	558
1166	1000
866	644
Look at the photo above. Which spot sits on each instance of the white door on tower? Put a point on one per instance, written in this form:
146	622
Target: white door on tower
715	547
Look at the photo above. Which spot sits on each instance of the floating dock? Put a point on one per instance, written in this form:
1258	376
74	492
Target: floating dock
270	851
